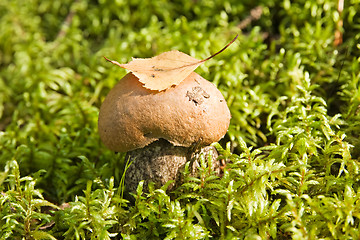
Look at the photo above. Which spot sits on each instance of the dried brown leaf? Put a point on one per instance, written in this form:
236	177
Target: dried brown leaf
165	70
162	71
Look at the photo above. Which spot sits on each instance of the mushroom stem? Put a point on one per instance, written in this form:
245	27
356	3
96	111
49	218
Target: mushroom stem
161	161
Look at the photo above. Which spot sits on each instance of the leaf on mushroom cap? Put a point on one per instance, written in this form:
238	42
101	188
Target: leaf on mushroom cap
165	70
162	71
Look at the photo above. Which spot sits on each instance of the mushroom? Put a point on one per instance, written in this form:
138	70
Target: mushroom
162	130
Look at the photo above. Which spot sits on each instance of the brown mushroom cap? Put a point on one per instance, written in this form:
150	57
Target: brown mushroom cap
131	116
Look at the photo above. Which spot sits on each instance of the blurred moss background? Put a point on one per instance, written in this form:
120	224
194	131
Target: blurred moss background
53	77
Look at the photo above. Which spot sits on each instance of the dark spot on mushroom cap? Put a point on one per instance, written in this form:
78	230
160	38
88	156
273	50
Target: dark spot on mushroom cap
197	95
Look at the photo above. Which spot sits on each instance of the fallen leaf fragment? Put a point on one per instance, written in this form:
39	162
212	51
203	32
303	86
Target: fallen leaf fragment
162	71
165	70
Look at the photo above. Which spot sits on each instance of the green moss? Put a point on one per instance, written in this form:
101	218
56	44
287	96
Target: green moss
292	149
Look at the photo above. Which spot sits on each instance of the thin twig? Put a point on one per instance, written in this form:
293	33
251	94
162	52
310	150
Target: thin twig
338	33
67	22
255	14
